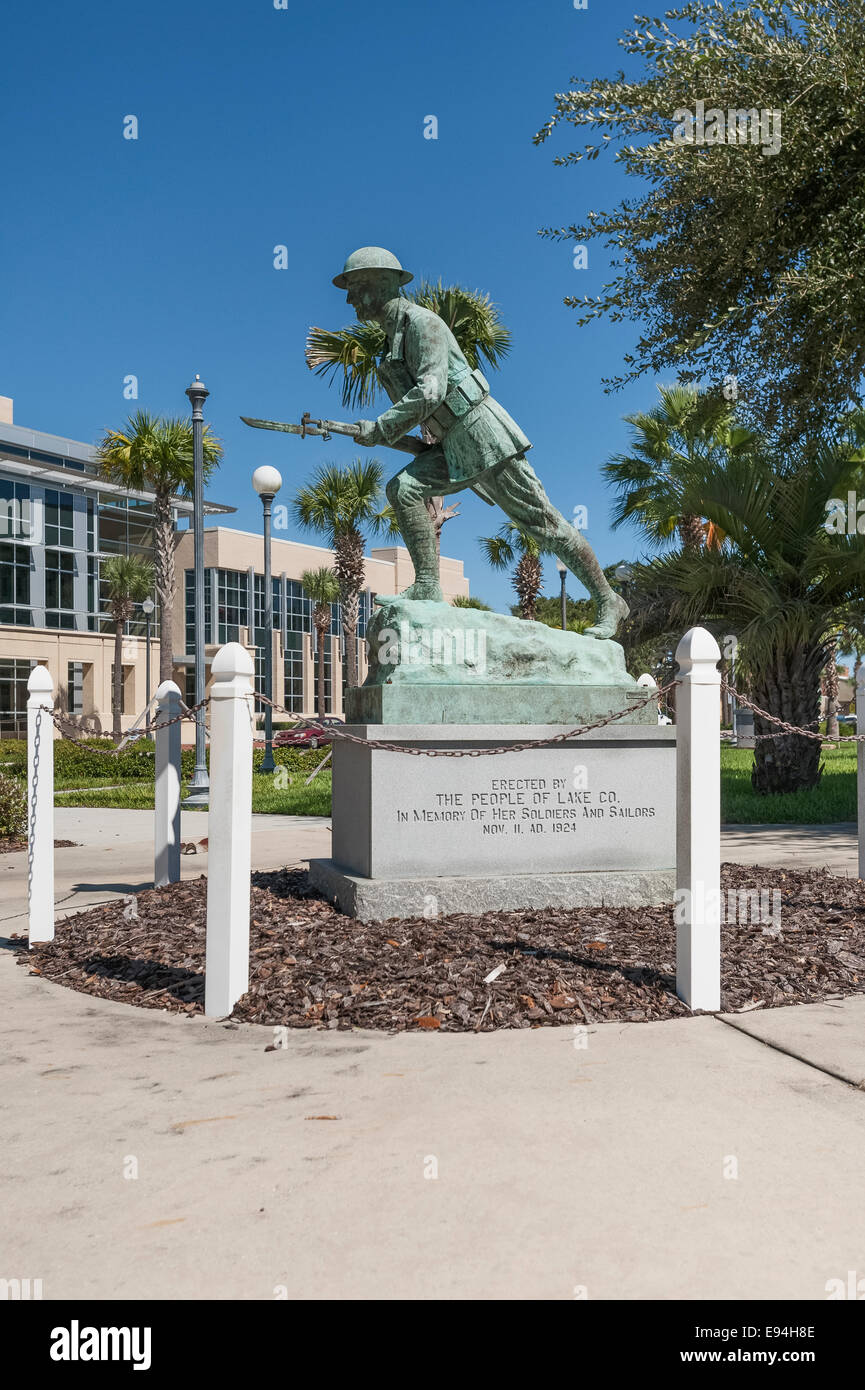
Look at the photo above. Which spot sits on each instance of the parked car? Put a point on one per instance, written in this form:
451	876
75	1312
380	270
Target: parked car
308	735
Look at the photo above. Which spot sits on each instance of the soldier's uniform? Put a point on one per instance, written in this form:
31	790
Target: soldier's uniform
431	383
479	446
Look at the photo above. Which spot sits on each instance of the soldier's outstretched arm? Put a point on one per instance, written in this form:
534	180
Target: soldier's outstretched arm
427	352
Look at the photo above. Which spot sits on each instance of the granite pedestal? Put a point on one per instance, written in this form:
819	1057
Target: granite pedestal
585	822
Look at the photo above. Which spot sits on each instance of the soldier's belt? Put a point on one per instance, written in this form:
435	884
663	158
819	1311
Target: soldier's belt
459	401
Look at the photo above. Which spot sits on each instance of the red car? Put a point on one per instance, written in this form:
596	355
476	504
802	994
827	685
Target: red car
308	735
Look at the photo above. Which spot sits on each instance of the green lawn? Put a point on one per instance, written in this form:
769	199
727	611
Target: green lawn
833	799
295	800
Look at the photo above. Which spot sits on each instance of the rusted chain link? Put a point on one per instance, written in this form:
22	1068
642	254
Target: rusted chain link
60	720
31	809
783	726
336	733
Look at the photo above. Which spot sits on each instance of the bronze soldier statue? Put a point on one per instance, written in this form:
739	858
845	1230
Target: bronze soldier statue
478	445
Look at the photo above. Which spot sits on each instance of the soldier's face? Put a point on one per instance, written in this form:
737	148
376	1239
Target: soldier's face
368	294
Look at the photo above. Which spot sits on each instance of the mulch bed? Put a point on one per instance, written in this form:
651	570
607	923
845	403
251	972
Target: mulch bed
310	966
12	846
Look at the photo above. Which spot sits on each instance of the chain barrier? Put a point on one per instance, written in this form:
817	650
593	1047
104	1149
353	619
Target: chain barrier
334	732
31	825
337	733
783	727
61	720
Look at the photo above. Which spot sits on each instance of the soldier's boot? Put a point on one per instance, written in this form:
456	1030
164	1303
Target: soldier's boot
571	547
407	497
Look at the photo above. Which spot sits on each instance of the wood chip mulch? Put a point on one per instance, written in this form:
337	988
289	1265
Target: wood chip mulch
12	846
312	967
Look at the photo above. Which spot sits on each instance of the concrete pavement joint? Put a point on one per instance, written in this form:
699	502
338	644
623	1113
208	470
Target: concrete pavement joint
788	1052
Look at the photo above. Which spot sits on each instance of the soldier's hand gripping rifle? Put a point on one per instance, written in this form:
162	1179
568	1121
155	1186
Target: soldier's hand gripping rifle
409	444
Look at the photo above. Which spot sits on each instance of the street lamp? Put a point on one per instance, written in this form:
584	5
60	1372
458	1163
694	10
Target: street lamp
199	786
267	482
147	607
563	571
624	573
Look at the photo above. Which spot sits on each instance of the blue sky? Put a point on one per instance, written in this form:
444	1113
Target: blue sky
301	127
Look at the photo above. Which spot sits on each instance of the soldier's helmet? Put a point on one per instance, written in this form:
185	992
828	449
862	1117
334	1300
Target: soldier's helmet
371	258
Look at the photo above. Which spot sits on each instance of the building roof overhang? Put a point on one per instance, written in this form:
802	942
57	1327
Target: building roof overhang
29	452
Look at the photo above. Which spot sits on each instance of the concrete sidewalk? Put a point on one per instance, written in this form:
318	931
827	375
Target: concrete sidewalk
832	847
148	1155
124	863
125	860
362	1165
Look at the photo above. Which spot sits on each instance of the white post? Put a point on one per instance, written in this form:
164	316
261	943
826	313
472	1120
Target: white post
166	833
860	766
698	827
40	805
229	850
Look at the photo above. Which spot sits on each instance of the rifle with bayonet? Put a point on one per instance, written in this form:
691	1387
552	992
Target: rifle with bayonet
409	444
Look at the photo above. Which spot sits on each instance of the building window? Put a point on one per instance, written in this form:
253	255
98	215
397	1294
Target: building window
364	611
293	672
139	526
328	677
260	634
17	512
189	596
298	608
59	519
75	687
259	602
14	574
232	598
14	675
92	593
125	525
59	589
123	671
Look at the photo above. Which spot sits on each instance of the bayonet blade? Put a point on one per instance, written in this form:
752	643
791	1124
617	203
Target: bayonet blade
278	425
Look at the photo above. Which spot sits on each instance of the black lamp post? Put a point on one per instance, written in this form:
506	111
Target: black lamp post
267	482
199	786
147	608
563	573
624	573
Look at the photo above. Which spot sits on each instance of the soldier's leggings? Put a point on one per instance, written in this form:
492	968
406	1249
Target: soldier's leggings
518	491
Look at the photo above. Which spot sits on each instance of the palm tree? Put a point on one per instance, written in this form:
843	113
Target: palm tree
128	581
323	589
685	432
466	601
356	352
846	639
779	581
154	454
338	504
501	551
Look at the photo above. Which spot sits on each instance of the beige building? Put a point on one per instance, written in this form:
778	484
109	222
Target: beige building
59	521
234	610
